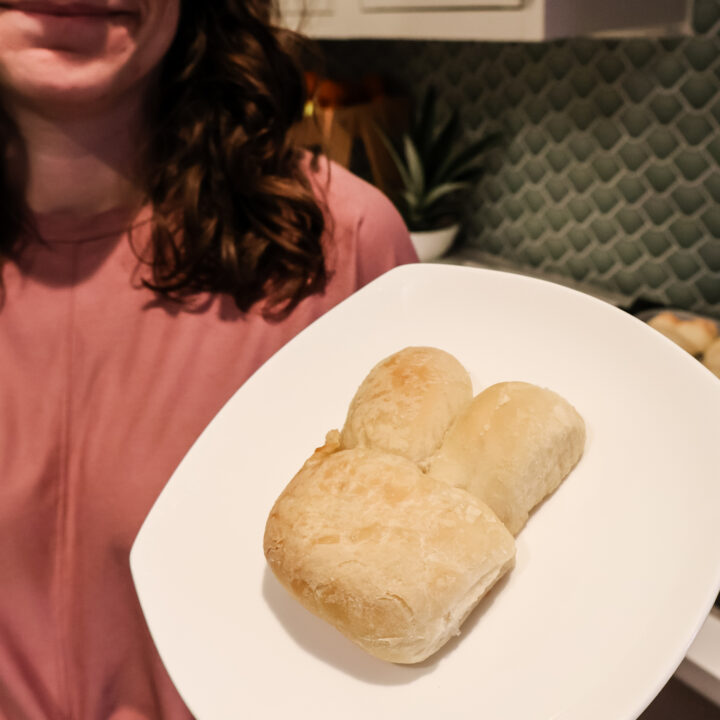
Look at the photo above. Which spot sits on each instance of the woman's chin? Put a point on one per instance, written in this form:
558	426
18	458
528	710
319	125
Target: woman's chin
56	80
55	60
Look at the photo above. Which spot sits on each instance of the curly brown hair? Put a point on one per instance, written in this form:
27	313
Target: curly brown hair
234	211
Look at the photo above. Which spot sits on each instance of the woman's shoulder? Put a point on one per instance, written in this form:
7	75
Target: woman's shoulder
347	195
358	209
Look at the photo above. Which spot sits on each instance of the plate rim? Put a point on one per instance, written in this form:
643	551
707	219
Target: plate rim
419	270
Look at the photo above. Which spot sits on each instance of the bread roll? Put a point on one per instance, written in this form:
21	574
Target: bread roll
711	358
407	402
667	323
692	335
394	559
512	446
698	333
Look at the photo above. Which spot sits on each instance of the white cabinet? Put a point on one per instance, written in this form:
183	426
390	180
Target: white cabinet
294	8
436	4
494	20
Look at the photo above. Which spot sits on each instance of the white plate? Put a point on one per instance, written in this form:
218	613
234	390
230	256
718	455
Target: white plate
615	573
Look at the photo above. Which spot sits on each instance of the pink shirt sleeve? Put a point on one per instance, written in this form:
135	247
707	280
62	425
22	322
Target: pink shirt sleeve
383	238
367	230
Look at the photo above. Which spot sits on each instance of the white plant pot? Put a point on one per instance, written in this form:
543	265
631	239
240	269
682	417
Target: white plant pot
433	244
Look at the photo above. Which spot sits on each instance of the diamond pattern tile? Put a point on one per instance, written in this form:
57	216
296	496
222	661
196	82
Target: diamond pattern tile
709	253
628	251
709	287
653	274
583	115
662	141
558	188
610	167
706	14
580	208
664	107
684	265
602	259
695	129
633	155
660	176
582	178
692	165
686	232
537	109
637	86
688	199
681	294
560	96
579	239
699	89
624	280
608	101
604	229
605	198
639	52
656	242
606	167
630	220
611	67
607	133
636	120
579	268
669	69
582	147
712	185
658	209
631	188
711	220
702	53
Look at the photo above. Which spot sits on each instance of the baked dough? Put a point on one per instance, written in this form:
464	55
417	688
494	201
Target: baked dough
694	335
391	557
512	446
700	332
711	358
407	402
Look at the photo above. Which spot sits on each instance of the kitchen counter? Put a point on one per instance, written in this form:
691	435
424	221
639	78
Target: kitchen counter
701	667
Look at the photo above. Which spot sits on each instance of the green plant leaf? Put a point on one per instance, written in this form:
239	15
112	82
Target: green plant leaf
414	166
441	191
459	160
413	200
433	219
434	166
416	220
395	157
422	131
470	174
442	146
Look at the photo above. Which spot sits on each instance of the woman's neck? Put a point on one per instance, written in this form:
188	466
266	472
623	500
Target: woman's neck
83	166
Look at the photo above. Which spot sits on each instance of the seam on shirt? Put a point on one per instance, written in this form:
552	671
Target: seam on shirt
111	235
63	502
143	216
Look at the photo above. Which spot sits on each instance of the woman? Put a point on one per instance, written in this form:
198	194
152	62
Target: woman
160	241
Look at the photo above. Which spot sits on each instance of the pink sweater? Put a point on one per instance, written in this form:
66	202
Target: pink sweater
103	389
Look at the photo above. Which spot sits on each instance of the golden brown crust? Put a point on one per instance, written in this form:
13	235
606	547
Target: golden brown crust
407	402
711	358
387	531
693	335
392	558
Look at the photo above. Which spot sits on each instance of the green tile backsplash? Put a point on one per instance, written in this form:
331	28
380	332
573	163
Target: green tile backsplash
609	172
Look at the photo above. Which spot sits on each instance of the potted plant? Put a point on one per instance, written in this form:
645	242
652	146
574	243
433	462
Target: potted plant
435	170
